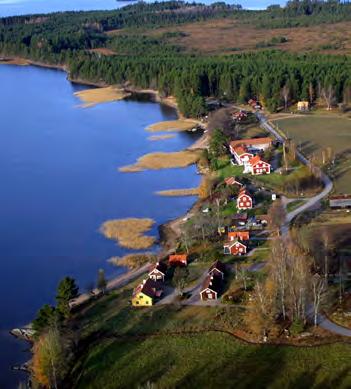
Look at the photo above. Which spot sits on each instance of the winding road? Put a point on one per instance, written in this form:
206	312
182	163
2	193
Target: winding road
312	201
323	321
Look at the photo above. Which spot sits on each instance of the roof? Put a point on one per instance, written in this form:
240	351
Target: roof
232	181
217	265
211	282
243	193
252	141
340	197
148	287
263	217
161	267
178	258
255	160
241	150
231	244
240	216
244	235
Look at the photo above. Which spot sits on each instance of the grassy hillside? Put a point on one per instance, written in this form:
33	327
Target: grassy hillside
211	360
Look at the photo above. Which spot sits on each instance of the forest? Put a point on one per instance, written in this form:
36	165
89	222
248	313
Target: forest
154	62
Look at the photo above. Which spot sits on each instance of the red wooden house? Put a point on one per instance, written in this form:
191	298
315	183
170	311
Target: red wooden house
210	288
256	166
244	200
235	248
158	272
217	269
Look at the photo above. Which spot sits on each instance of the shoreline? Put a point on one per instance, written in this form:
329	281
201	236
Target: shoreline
21	61
165	240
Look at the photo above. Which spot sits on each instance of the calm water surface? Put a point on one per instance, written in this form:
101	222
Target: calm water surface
59	182
21	7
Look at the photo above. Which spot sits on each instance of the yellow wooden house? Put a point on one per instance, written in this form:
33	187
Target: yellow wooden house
146	293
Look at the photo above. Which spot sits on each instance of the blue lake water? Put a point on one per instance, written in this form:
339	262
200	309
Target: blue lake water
21	7
59	181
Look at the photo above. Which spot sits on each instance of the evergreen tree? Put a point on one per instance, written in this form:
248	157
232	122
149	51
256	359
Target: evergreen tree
66	291
101	281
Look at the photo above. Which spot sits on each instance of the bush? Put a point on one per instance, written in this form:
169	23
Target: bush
297	327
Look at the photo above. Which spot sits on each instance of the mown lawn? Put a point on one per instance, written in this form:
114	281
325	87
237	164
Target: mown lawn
211	360
315	133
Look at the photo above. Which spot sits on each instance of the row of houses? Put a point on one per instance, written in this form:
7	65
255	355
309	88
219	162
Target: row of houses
247	153
151	289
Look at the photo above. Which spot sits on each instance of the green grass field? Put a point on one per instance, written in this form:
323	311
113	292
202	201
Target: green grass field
318	132
212	360
137	348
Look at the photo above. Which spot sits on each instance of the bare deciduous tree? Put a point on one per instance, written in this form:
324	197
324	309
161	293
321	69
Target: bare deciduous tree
318	287
311	92
286	94
278	215
328	94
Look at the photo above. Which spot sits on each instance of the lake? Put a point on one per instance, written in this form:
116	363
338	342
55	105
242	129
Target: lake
21	7
59	182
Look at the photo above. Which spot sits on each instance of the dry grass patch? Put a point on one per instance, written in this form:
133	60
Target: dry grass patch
133	261
179	192
155	161
161	137
229	36
14	61
173	125
95	96
102	51
129	232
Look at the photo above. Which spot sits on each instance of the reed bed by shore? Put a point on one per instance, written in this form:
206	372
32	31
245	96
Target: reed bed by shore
161	137
173	125
160	160
91	97
133	261
130	232
14	61
179	192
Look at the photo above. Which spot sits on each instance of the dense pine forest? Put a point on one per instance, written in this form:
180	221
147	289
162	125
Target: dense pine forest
154	62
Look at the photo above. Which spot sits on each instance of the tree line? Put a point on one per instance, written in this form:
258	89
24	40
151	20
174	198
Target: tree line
275	77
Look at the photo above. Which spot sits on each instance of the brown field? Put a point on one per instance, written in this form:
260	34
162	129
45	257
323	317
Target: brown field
129	233
226	35
173	125
179	192
161	137
91	97
317	132
133	261
103	51
155	161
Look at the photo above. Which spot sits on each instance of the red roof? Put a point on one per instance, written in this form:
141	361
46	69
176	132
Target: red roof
242	235
252	141
340	197
241	150
178	258
255	160
243	192
233	243
232	181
